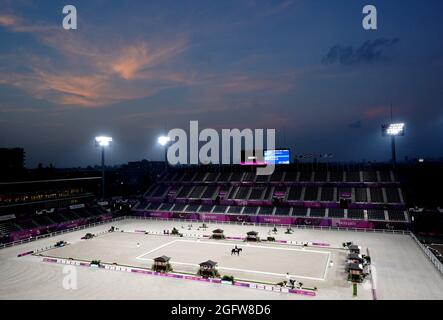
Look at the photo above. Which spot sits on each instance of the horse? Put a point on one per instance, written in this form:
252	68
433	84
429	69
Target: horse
236	251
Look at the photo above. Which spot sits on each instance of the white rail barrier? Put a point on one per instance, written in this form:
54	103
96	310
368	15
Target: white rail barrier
53	234
430	255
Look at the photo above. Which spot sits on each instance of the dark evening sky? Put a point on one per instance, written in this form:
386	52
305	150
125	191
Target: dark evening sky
133	69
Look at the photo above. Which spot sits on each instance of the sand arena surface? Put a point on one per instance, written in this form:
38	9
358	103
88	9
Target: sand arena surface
402	270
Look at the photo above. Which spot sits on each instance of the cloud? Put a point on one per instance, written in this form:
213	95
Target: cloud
369	52
87	70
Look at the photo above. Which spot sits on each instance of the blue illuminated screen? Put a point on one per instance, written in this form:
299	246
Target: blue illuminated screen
277	156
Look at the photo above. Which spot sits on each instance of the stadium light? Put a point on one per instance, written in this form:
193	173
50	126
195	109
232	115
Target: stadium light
393	130
163	140
102	142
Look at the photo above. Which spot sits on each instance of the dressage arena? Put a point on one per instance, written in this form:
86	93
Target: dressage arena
257	262
401	269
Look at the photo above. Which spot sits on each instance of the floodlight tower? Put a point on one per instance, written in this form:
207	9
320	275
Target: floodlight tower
103	142
393	130
164	141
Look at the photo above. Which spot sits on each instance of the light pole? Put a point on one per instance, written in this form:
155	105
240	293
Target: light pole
102	142
393	130
164	141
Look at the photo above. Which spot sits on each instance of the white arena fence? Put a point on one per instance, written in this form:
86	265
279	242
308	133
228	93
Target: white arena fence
57	233
430	255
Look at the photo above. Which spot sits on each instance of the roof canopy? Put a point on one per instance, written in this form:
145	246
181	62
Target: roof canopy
217	231
252	233
209	263
162	259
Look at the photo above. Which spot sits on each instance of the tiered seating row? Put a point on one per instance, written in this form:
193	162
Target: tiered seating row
293	193
340	213
280	176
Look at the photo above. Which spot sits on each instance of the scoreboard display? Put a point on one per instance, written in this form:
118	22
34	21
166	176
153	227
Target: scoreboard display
279	156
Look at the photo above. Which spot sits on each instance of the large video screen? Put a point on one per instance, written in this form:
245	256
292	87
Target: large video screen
280	156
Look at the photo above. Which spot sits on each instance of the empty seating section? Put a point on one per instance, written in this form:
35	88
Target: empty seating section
141	205
8	227
282	211
205	208
209	192
249	177
336	176
361	195
374	214
43	220
250	210
268	194
232	192
376	195
320	176
200	176
212	177
336	213
276	176
235	210
166	207
188	176
242	193
299	211
374	190
224	177
236	177
184	191
58	217
197	192
385	176
392	195
192	208
219	209
27	224
262	178
305	176
179	207
369	176
169	176
396	215
327	194
71	215
265	210
86	214
179	176
294	193
317	212
256	193
290	176
311	194
154	206
352	176
160	191
356	214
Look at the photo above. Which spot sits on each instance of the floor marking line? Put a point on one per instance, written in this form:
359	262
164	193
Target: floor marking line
242	270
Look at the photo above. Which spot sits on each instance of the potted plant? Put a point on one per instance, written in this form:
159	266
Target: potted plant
95	263
227	279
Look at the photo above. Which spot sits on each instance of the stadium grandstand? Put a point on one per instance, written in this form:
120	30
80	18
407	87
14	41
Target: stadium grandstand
367	198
